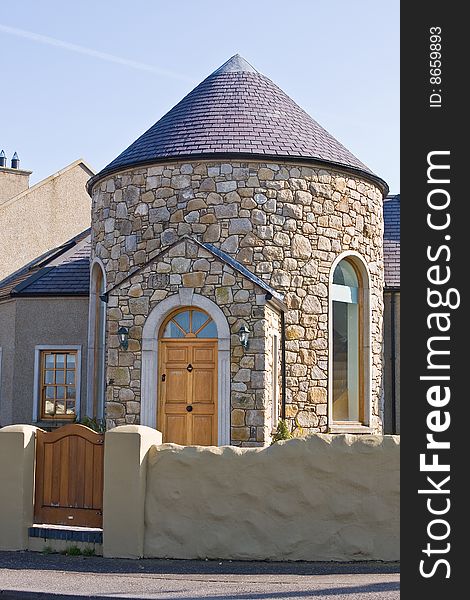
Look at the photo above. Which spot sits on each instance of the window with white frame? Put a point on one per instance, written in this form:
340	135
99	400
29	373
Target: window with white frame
350	328
275	382
96	342
99	341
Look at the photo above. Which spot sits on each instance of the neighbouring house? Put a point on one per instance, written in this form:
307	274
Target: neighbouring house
392	315
234	276
40	216
43	337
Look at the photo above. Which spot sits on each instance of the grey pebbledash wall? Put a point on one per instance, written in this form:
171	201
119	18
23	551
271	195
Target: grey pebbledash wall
284	221
30	322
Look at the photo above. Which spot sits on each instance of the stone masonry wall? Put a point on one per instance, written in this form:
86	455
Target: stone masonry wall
284	221
188	265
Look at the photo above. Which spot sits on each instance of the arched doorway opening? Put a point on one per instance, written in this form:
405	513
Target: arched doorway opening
151	377
188	378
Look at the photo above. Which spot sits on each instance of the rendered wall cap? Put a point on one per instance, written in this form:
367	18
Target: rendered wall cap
19	429
141	429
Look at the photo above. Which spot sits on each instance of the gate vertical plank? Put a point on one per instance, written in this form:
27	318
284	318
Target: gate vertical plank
88	482
46	466
64	463
55	468
80	472
72	471
98	464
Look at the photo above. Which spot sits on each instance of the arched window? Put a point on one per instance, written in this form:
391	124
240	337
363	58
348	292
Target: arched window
349	332
189	323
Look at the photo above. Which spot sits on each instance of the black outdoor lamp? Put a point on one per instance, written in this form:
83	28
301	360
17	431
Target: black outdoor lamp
244	334
123	334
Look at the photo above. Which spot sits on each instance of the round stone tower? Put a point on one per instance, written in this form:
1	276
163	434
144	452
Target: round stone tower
239	207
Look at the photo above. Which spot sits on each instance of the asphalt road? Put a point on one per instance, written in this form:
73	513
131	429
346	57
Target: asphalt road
34	576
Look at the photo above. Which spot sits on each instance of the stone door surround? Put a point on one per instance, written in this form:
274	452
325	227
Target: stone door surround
149	404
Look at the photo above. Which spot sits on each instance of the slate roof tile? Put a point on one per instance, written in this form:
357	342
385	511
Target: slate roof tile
63	271
236	110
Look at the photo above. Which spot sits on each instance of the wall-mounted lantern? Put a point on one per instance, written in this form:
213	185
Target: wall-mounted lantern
123	334
244	335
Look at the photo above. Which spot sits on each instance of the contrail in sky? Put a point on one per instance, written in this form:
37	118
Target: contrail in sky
44	39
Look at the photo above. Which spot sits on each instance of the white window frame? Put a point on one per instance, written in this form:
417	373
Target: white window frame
37	377
366	350
275	382
91	367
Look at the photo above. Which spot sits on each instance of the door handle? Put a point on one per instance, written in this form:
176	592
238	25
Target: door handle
189	367
163	377
189	408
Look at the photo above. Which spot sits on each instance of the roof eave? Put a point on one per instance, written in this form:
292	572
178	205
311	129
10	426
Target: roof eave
244	156
52	294
278	304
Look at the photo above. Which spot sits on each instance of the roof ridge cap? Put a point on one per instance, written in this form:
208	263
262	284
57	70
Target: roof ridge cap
235	64
51	177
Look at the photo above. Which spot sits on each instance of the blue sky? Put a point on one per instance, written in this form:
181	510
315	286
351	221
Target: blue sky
85	79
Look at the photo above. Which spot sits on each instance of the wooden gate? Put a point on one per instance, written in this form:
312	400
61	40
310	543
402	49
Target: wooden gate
69	477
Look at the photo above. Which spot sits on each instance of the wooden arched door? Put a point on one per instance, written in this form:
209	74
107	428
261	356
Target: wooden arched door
187	407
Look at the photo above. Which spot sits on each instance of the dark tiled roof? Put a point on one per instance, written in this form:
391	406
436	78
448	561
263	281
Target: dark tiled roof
236	111
392	241
63	271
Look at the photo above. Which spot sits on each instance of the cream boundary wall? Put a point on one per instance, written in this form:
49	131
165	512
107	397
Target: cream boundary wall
125	473
319	498
44	216
17	448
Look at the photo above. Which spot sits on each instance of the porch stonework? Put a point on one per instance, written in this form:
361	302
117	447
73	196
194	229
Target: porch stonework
188	265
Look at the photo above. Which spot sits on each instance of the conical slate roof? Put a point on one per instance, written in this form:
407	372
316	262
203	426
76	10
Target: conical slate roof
236	112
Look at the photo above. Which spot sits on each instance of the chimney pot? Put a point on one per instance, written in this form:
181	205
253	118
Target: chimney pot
15	161
3	159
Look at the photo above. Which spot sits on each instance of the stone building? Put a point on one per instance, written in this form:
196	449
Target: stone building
237	272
